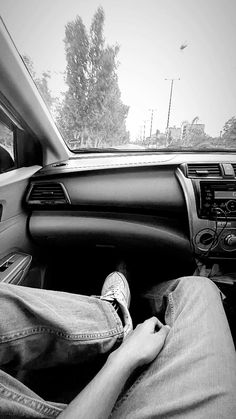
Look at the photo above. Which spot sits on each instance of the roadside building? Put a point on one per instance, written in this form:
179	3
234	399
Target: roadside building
174	133
190	130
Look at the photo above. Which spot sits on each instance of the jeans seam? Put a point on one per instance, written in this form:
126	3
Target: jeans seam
116	318
120	329
36	405
123	398
142	375
172	307
44	329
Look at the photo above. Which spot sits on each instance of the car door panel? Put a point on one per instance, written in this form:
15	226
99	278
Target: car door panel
16	247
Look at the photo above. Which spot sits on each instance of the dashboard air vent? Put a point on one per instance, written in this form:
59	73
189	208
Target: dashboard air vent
47	193
204	170
234	167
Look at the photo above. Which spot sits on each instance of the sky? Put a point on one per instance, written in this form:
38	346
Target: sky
150	34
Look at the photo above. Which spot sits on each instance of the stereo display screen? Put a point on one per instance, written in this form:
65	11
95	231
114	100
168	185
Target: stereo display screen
225	194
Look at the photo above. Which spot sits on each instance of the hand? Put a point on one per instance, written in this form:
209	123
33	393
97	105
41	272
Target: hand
143	344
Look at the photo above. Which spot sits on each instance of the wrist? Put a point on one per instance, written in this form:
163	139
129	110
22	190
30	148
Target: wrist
123	361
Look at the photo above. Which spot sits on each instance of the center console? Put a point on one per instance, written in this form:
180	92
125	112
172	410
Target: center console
216	199
211	205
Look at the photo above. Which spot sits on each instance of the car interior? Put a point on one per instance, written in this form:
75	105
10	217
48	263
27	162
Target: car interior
67	220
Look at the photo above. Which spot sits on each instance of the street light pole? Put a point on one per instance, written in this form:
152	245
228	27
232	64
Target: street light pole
170	100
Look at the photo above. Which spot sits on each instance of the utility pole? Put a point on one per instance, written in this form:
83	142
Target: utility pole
170	100
151	121
140	133
144	131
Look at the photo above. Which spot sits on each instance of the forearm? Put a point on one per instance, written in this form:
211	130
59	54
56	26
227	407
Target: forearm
99	396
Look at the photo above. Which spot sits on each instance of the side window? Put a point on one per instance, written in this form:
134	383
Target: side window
7	158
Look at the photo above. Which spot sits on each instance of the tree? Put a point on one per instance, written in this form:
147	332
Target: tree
6	139
229	132
92	113
41	82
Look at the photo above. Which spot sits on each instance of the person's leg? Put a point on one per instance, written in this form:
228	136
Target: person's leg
194	376
41	328
18	401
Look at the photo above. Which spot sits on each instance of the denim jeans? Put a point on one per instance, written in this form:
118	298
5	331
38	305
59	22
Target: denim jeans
194	376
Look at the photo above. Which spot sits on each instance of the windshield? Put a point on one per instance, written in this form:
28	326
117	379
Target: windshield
132	75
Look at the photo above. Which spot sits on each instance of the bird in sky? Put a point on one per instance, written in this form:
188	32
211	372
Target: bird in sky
183	46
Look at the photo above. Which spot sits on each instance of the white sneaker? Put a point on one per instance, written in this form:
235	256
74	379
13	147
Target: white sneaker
116	288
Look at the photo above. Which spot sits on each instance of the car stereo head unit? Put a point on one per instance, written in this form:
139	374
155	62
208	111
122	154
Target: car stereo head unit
217	200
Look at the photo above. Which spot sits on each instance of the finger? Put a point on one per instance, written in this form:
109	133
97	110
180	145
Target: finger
159	323
163	332
151	323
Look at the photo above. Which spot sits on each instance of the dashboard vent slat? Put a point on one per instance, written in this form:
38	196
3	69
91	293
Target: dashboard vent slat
202	170
234	167
50	193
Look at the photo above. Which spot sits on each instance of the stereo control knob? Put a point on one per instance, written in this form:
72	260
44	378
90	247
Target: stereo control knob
230	240
231	205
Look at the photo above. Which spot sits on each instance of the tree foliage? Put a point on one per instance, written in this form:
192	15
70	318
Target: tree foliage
92	113
229	132
41	83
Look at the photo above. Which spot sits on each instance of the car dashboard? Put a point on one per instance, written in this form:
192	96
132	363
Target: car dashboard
180	202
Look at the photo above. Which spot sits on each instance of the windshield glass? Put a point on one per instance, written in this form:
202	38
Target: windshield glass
132	75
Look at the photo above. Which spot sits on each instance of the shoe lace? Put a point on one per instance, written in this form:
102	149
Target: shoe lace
114	292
